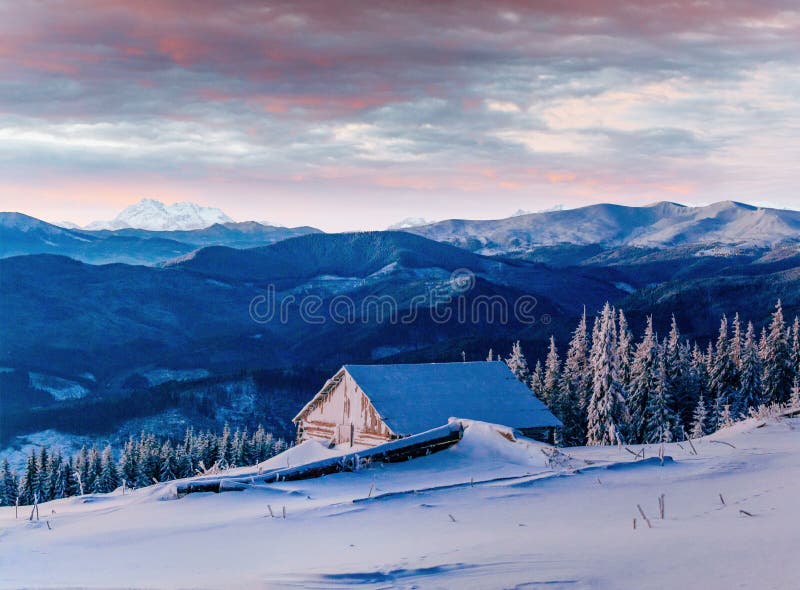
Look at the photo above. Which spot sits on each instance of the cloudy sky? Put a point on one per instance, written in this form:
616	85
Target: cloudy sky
352	115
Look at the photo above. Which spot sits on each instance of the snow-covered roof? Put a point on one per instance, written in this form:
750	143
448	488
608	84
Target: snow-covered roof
417	397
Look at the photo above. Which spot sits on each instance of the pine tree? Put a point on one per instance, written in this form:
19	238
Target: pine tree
777	374
794	398
606	410
109	475
643	382
750	373
552	372
537	379
660	420
42	484
737	342
168	466
27	483
129	467
223	451
722	379
574	389
8	484
677	374
55	473
794	355
95	470
518	364
624	354
699	419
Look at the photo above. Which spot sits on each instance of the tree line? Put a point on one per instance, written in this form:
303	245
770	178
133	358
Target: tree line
610	389
48	475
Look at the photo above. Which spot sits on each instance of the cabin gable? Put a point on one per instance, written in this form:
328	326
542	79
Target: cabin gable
341	413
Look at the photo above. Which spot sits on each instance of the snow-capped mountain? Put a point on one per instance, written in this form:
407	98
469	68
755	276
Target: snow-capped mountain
659	225
154	215
409	222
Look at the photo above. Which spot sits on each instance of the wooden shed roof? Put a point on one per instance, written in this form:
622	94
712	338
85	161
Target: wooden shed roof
412	398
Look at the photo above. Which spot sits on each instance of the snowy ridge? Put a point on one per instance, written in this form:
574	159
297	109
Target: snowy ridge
661	224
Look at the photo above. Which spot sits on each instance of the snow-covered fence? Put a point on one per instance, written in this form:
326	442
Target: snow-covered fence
402	449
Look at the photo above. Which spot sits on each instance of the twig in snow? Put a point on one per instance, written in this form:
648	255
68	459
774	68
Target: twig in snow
634	523
452	517
371	488
691	445
662	508
680	445
284	513
272	515
636	454
644	516
721	499
722	442
745	512
50	529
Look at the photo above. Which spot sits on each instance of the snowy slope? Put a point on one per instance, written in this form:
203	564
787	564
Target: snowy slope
154	215
486	513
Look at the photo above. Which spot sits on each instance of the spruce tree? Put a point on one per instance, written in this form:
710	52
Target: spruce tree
518	364
606	411
624	354
643	383
794	398
660	420
750	373
552	372
8	484
575	389
794	355
737	342
129	467
699	419
777	374
27	483
109	475
537	379
723	378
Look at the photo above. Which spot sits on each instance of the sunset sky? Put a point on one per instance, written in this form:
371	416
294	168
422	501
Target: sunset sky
348	115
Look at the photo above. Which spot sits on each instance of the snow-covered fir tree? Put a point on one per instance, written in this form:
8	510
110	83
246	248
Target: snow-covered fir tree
643	383
574	388
552	370
518	364
723	378
737	342
777	372
700	419
537	378
109	474
606	411
794	398
624	352
9	485
660	420
749	374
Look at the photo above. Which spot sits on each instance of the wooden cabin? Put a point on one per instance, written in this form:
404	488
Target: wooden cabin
372	404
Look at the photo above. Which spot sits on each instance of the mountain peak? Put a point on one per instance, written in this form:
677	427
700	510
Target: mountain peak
151	214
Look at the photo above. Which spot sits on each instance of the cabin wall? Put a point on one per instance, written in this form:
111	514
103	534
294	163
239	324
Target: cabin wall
345	415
